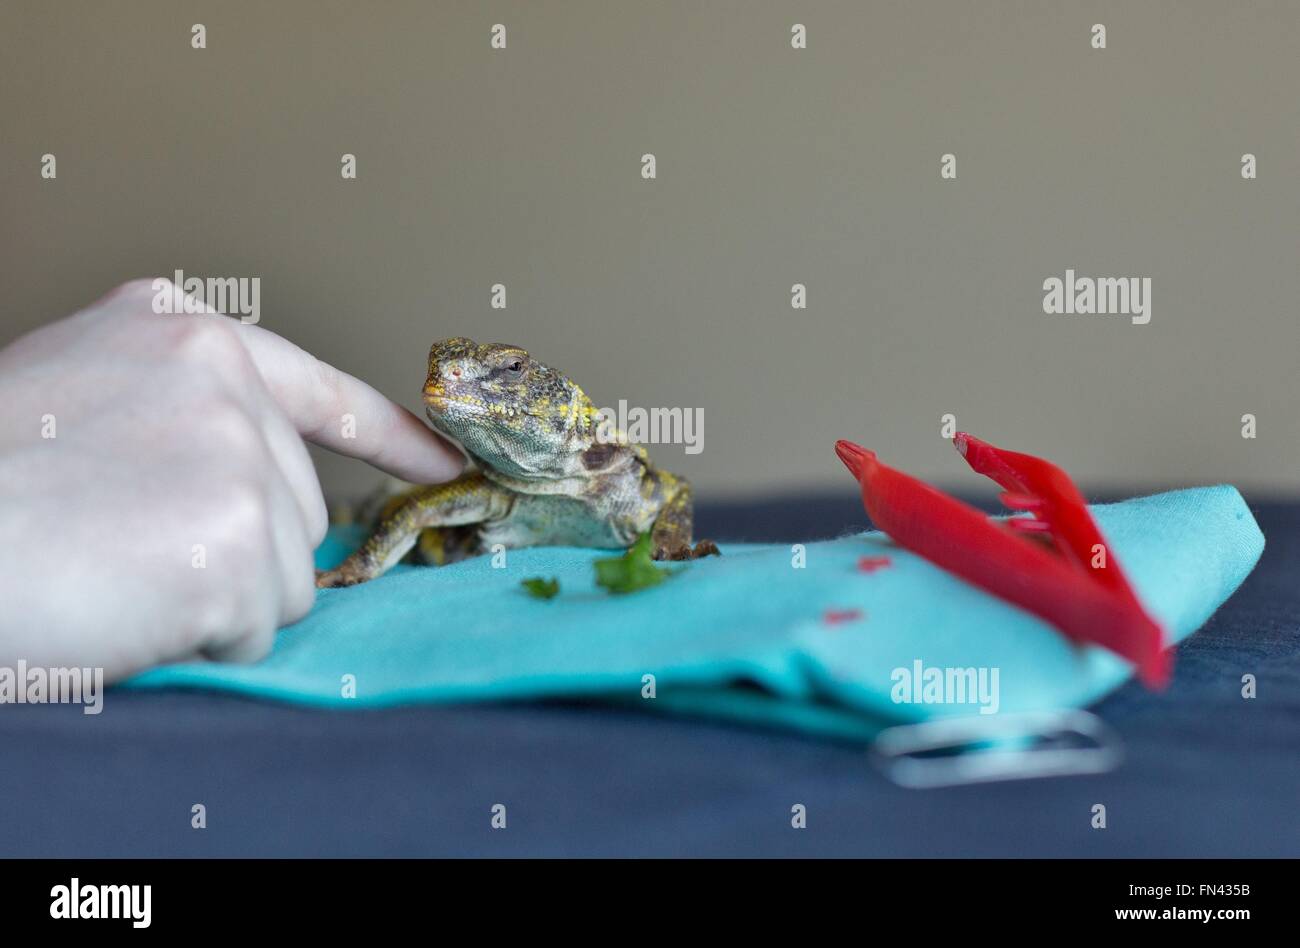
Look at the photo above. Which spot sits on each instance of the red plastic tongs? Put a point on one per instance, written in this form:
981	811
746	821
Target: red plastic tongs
1075	583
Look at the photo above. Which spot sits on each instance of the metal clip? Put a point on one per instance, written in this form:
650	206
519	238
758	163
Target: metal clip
954	751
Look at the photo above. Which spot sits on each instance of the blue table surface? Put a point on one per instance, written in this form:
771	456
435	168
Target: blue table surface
1206	773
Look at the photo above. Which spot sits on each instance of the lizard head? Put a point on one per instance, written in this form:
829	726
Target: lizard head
510	411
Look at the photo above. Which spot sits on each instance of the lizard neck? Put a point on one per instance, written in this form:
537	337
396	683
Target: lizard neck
582	473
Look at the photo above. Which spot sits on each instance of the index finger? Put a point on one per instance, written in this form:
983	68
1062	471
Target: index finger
317	397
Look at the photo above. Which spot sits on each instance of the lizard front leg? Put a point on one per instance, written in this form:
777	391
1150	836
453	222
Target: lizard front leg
466	500
670	538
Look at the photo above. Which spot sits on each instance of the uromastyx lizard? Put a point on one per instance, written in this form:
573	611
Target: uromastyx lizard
548	471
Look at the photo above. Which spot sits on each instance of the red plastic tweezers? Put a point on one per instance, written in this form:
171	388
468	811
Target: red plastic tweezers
1073	581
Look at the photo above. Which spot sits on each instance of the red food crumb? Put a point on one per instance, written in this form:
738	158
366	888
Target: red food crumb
840	616
869	564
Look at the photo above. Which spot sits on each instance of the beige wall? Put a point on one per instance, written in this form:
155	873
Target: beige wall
775	166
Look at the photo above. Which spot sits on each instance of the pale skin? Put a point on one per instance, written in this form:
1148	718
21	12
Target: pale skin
172	433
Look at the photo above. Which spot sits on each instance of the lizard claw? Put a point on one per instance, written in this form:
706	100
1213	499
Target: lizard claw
339	576
705	548
683	551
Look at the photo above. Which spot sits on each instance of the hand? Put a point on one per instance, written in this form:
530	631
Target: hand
157	502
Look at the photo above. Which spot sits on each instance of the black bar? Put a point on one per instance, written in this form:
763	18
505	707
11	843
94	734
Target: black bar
334	896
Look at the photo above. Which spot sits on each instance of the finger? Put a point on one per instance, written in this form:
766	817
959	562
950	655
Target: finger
290	455
296	592
286	590
318	398
246	637
243	381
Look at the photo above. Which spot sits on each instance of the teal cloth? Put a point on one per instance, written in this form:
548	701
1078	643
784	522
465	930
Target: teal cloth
468	631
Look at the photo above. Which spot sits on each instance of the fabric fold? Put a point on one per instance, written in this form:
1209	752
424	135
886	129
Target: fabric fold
759	635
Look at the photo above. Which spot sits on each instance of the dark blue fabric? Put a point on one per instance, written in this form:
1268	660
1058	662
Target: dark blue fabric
1206	773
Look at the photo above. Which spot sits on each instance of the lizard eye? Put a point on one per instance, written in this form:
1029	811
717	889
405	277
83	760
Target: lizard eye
515	367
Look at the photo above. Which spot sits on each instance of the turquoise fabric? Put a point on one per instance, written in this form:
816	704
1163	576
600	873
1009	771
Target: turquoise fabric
468	632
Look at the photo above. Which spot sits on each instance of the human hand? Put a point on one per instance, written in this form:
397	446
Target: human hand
158	501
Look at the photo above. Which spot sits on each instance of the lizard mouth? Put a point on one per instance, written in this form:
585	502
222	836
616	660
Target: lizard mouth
436	396
438	402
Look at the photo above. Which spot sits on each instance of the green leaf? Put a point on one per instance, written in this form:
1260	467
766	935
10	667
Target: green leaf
542	588
632	571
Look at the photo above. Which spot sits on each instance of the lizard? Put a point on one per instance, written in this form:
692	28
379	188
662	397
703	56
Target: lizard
547	469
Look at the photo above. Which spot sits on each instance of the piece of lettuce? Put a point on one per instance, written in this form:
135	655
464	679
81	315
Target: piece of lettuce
632	571
542	588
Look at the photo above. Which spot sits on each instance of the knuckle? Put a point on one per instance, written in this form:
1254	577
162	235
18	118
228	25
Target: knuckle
232	598
326	384
209	341
245	514
245	637
234	526
326	377
232	433
236	591
216	614
256	642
